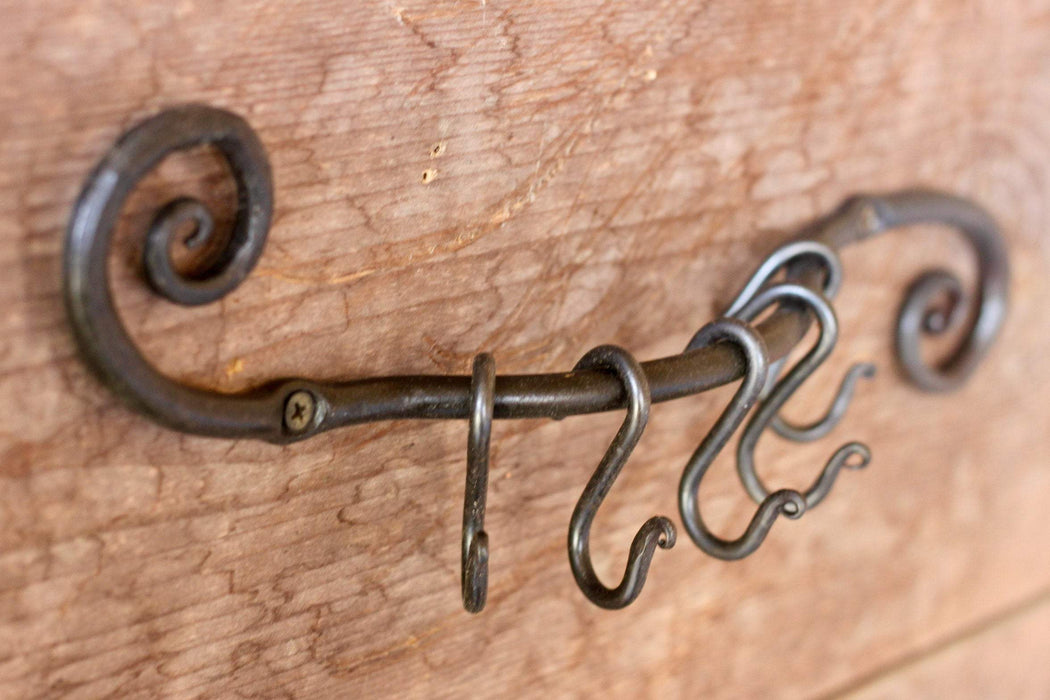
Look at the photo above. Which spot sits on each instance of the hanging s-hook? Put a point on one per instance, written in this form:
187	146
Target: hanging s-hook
839	405
832	267
784	502
657	531
475	555
787	386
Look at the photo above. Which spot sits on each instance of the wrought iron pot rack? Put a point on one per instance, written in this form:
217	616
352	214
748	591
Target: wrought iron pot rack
606	378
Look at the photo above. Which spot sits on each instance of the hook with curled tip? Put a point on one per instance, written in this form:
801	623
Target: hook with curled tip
787	386
839	405
784	502
657	531
475	554
829	259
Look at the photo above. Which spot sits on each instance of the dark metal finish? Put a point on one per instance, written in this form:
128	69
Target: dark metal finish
864	217
607	378
787	386
782	257
656	531
784	502
101	336
475	557
776	262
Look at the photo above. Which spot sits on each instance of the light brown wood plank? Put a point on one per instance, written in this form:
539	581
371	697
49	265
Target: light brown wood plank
1007	658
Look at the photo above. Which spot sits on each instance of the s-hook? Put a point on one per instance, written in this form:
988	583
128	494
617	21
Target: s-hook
783	502
296	409
832	266
475	556
787	386
654	532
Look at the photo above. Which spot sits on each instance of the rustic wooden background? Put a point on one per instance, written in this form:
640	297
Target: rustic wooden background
533	179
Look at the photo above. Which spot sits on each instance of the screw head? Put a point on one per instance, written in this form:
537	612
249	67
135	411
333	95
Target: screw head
299	410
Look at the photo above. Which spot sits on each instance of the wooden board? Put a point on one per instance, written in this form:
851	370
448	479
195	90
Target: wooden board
533	179
1006	659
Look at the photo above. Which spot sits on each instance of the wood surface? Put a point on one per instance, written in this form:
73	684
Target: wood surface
531	179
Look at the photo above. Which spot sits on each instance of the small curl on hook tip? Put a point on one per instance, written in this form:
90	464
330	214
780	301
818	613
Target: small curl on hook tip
841	459
657	531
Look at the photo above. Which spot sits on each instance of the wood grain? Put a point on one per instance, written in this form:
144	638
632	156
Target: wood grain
532	179
1006	658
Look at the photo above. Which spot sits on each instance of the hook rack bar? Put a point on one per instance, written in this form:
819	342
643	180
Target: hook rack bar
104	342
294	409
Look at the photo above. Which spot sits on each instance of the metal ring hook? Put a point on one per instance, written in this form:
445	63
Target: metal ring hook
832	265
475	554
784	502
787	386
656	531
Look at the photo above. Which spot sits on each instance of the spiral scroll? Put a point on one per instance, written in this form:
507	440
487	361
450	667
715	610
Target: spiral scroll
100	335
935	303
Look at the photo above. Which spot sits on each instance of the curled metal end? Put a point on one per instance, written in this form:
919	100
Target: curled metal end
786	502
787	386
839	406
657	531
100	334
927	288
475	574
164	231
840	460
475	554
935	302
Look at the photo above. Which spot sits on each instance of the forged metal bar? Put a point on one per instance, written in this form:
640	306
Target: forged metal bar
295	409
